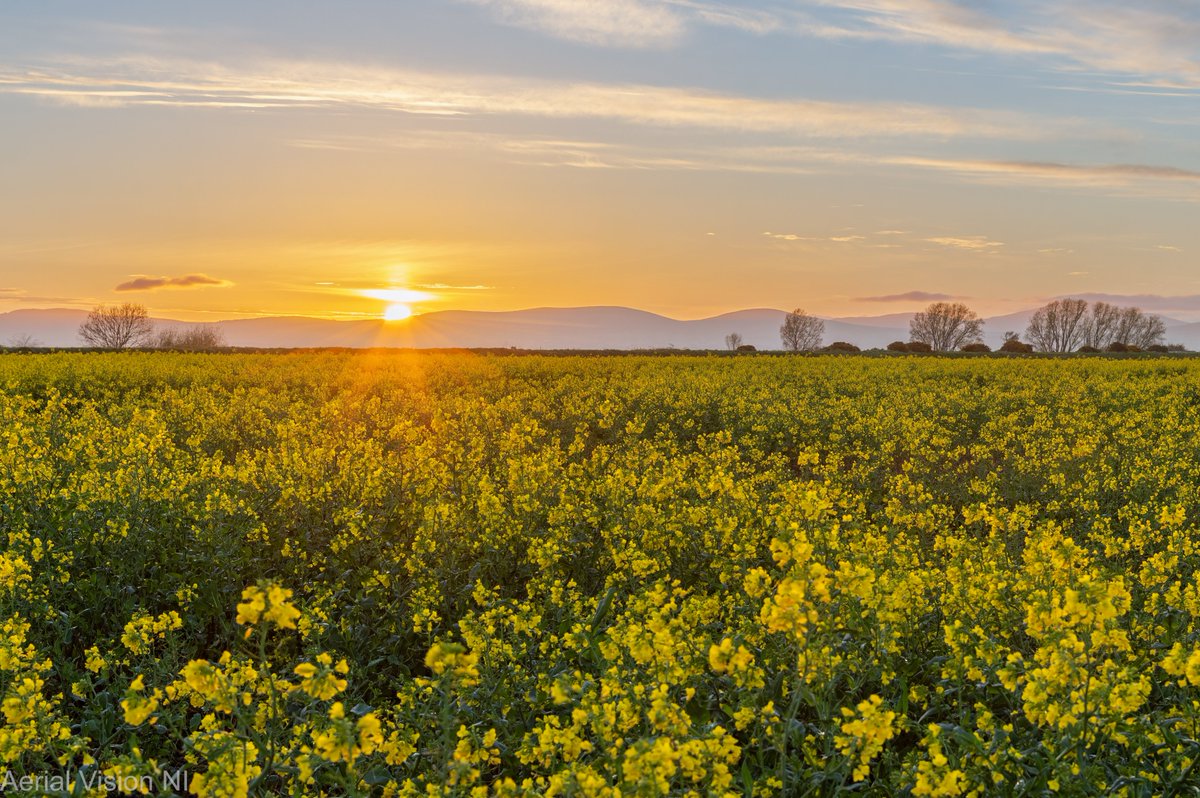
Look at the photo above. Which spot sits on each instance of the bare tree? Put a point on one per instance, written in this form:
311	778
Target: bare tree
946	326
24	341
1135	328
801	332
200	338
1101	325
1109	324
1060	326
117	326
733	341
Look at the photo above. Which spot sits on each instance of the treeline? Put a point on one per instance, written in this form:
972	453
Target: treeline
1064	325
1068	325
128	326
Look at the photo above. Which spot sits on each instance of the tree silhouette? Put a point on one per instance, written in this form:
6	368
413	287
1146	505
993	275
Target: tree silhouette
117	326
1060	326
801	332
946	326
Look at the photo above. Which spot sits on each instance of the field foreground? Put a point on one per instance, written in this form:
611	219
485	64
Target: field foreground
391	574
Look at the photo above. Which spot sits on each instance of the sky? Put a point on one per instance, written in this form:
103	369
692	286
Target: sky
228	159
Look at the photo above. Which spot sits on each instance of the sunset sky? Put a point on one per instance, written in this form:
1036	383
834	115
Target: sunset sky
224	159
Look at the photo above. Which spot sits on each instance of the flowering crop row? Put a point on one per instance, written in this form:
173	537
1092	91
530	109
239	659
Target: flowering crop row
402	574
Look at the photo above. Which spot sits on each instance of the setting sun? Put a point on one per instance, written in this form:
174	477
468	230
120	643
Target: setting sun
397	312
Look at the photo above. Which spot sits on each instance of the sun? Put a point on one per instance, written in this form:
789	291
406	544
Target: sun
398	302
397	312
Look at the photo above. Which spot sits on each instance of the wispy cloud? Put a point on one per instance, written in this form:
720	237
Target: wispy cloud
759	21
624	23
1130	179
1124	179
147	283
283	85
909	296
973	243
1103	174
842	239
448	287
928	21
634	23
1153	38
1152	43
38	299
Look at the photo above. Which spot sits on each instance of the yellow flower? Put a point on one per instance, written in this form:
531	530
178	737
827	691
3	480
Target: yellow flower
866	729
202	677
321	680
344	741
94	662
138	707
370	733
267	601
143	629
232	765
455	662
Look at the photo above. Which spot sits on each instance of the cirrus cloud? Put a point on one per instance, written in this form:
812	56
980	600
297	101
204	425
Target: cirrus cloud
311	85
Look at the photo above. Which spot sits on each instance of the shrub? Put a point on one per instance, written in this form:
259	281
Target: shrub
976	347
897	346
1158	348
746	348
1088	350
1117	346
1016	346
919	346
199	338
841	346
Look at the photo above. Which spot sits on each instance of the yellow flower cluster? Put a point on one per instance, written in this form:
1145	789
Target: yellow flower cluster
453	662
866	730
322	679
267	602
140	707
143	629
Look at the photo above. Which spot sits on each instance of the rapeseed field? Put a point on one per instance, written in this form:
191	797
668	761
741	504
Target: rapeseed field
413	574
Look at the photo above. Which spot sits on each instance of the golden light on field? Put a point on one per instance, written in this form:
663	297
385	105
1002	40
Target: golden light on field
397	312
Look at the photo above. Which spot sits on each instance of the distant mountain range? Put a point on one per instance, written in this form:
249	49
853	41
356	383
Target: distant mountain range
537	328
